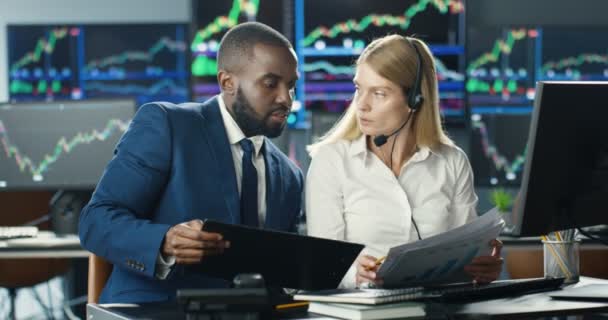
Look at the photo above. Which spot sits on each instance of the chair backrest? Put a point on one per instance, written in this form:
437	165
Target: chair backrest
99	272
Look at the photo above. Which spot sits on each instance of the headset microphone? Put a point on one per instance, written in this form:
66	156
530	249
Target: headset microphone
381	139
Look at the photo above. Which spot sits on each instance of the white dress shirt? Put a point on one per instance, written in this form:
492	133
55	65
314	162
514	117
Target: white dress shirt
235	134
352	195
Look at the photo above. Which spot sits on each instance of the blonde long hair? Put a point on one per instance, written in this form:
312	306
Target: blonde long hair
393	58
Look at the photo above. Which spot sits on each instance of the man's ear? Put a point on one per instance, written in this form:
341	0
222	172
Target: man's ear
227	82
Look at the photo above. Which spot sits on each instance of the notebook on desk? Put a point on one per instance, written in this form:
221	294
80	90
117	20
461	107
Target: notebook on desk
447	293
362	296
17	232
283	259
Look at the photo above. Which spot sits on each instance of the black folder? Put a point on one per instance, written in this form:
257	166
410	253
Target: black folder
284	259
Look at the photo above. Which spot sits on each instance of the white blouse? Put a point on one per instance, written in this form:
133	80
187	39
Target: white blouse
352	195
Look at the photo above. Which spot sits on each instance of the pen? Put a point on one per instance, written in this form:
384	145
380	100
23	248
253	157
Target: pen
291	305
557	258
377	263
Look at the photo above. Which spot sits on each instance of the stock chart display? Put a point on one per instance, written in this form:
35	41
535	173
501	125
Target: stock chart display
503	66
500	86
487	72
583	57
498	144
59	145
43	62
329	42
213	19
55	62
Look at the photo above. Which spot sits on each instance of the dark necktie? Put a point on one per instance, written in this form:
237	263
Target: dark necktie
249	186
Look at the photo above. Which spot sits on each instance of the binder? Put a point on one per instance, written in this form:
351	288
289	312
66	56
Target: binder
284	259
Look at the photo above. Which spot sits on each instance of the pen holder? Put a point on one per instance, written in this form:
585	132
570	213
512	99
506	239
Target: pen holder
561	259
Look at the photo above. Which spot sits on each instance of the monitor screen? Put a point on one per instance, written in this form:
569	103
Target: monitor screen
55	62
212	21
500	92
329	41
565	177
59	145
504	62
498	144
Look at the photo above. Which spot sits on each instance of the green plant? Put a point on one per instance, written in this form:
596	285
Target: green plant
501	199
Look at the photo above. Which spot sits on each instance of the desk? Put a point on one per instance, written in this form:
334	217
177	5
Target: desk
529	306
30	261
524	243
524	257
533	305
46	245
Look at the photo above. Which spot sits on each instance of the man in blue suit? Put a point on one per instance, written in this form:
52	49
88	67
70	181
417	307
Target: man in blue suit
180	164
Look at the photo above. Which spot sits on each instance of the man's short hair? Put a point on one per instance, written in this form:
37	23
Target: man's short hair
237	44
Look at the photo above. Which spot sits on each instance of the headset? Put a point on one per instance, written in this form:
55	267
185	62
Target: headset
414	100
414	96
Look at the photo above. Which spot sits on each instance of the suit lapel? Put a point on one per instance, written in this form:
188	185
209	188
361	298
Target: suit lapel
213	128
273	187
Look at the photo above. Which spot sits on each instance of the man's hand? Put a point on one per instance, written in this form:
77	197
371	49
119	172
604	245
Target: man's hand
189	245
486	269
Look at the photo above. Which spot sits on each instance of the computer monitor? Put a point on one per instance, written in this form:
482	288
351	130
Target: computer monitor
59	145
565	179
83	61
212	19
328	42
504	62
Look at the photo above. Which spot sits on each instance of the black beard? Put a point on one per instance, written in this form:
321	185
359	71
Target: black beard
248	120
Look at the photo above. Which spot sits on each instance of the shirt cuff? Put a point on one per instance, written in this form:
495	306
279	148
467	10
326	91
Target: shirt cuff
163	266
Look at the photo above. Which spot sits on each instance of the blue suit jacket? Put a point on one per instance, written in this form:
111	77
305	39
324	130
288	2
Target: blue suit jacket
173	164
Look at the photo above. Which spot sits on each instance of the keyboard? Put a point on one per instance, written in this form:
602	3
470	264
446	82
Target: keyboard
7	233
494	290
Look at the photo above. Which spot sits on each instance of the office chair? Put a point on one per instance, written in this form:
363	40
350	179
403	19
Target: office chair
99	272
19	208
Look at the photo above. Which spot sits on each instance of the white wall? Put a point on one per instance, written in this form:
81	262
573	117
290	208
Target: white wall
83	11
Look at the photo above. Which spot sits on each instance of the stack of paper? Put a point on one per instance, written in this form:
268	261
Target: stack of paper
44	239
441	258
363	312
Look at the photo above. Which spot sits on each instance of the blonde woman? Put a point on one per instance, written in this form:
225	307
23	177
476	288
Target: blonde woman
387	174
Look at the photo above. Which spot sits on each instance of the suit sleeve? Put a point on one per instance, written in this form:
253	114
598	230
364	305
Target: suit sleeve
299	213
116	224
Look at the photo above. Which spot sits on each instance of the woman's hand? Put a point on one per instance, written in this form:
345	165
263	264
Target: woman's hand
366	270
486	269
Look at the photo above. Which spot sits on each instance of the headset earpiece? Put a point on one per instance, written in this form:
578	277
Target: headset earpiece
414	95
